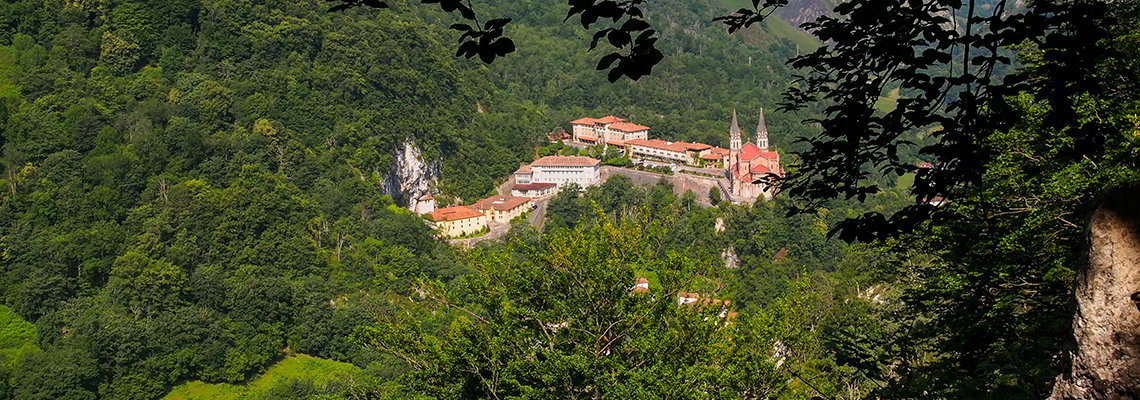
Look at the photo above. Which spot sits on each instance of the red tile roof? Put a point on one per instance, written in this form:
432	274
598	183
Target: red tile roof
501	203
454	214
749	151
628	127
697	146
532	186
771	155
615	143
525	169
564	161
760	169
609	119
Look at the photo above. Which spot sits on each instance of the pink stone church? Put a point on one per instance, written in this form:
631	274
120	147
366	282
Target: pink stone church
751	166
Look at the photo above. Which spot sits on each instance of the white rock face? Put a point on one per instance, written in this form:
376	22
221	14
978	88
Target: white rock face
1105	361
410	176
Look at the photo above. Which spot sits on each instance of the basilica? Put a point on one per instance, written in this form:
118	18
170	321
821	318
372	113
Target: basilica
751	166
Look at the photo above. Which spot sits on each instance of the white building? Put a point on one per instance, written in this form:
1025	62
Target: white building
610	130
534	190
425	204
560	170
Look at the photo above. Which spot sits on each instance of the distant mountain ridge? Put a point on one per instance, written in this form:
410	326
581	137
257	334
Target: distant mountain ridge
798	12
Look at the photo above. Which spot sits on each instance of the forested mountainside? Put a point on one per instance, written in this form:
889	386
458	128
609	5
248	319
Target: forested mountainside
190	187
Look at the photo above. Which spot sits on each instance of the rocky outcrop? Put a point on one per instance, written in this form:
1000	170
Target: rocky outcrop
1105	359
410	176
800	11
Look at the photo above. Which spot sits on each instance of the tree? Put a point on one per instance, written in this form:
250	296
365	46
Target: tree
563	322
714	195
118	54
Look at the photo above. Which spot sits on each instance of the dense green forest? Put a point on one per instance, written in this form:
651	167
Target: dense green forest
198	194
193	187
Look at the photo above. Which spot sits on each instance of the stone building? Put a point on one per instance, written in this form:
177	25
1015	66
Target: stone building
457	221
751	165
561	170
609	130
502	209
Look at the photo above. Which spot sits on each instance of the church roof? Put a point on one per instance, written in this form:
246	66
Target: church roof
771	155
761	127
734	129
749	151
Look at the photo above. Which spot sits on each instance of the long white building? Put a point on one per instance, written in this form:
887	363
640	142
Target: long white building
561	170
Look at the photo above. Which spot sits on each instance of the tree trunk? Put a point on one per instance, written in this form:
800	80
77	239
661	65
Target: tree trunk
1105	359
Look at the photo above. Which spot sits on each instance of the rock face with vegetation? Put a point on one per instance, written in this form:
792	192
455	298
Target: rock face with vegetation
1106	358
410	175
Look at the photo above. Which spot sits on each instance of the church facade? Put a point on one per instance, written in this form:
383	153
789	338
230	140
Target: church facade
751	166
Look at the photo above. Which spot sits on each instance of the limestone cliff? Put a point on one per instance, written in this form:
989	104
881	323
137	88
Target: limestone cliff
1105	358
410	176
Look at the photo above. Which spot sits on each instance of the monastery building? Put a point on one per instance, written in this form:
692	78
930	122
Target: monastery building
608	130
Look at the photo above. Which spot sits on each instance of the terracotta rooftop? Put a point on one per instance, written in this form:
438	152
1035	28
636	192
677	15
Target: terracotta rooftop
749	151
501	203
628	127
660	144
453	214
533	186
609	119
771	155
523	170
565	161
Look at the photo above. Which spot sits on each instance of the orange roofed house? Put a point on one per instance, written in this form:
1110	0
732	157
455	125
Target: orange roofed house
457	221
502	209
609	129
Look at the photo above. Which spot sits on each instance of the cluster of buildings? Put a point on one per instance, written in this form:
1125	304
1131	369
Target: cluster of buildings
722	308
608	130
540	179
748	167
465	220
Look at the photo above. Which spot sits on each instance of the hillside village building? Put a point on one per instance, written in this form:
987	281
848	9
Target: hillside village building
425	204
502	209
457	221
750	165
660	150
534	190
608	130
561	170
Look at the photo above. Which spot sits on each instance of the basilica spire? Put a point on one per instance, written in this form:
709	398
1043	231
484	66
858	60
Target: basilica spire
734	133
762	133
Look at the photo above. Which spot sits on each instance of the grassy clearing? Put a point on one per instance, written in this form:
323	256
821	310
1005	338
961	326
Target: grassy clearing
300	367
887	103
777	27
16	336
